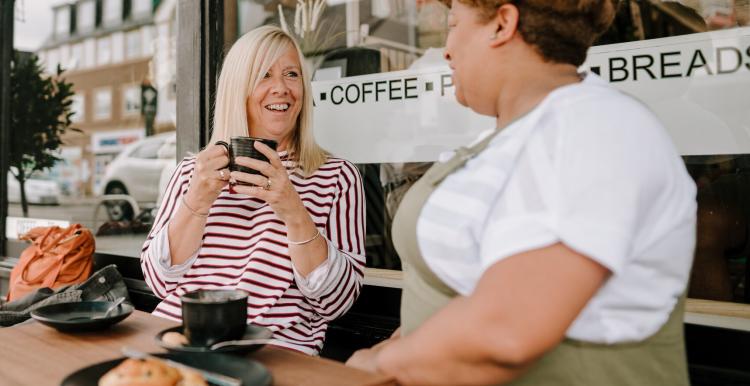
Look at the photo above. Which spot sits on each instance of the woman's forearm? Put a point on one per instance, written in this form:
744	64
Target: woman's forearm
186	232
520	309
451	346
305	257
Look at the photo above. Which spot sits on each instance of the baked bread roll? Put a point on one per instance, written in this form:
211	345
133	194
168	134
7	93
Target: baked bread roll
150	372
141	372
191	378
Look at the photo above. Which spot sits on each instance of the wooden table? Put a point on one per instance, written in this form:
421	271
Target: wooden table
34	354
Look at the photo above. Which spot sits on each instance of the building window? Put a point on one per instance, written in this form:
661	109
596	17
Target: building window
62	22
140	8
103	104
148	39
85	16
79	108
89	58
131	100
53	59
65	56
76	56
103	51
133	44
112	12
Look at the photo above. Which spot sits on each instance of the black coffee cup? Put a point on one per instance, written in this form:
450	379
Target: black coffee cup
213	316
245	147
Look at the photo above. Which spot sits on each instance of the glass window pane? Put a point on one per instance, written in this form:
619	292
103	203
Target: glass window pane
131	97
98	160
103	104
133	44
112	12
62	22
89	57
140	7
79	108
85	16
76	56
103	51
695	77
53	59
697	82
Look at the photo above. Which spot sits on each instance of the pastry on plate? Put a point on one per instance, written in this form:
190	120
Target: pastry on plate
150	372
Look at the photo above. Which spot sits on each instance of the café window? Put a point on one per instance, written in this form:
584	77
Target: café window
696	78
100	159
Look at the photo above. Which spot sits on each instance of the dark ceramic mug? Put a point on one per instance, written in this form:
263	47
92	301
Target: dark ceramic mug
245	147
213	316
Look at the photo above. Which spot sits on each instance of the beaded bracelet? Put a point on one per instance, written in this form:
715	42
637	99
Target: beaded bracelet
317	234
193	211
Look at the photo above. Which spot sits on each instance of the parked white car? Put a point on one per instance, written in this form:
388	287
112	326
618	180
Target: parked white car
38	190
136	171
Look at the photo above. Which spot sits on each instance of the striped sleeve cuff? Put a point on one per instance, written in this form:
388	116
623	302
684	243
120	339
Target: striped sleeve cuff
159	251
314	285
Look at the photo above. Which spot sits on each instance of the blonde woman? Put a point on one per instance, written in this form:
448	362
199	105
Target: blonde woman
294	238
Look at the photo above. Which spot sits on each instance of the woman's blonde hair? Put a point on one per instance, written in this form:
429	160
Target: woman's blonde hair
250	57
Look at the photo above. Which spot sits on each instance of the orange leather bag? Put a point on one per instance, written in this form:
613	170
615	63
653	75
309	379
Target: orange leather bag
57	257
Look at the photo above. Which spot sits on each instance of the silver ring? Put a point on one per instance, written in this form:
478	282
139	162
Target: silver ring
268	184
221	174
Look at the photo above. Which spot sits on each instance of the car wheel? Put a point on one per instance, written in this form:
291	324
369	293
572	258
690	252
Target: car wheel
119	210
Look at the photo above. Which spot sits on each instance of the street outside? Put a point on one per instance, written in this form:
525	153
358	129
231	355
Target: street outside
81	210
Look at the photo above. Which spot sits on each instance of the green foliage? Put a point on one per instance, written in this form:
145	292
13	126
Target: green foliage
40	115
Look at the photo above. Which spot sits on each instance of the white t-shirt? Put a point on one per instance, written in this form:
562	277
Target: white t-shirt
594	169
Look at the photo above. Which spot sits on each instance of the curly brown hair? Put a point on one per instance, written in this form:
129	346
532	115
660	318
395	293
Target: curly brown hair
561	30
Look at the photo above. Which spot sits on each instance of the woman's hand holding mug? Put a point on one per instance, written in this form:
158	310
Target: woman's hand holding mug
211	175
272	185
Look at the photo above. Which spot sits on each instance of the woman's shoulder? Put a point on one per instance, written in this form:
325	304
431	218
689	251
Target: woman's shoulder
339	168
598	112
336	163
596	99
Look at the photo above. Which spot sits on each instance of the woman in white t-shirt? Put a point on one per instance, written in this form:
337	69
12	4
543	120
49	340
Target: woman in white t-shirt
557	248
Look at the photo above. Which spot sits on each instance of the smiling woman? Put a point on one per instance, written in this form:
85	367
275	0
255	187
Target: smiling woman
294	238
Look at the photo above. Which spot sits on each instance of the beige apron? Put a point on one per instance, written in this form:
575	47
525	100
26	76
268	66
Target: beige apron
659	360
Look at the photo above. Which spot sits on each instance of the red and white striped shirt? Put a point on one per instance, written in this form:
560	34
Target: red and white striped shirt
245	247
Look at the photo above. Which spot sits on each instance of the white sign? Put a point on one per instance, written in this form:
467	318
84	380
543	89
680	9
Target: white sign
17	226
698	85
402	116
114	141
